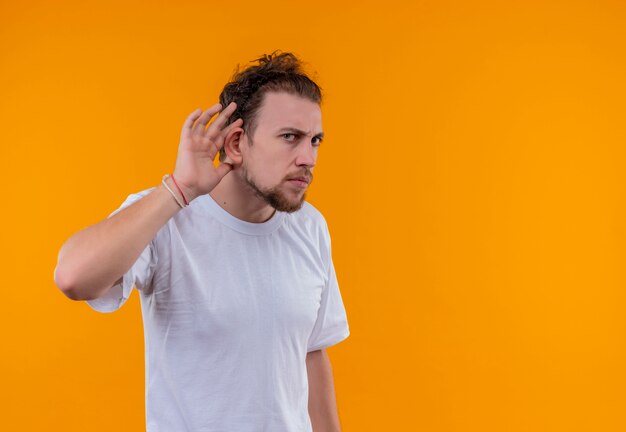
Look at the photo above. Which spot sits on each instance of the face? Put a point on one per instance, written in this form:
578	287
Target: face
278	165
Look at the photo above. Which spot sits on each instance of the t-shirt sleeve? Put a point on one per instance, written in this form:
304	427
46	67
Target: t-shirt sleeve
139	276
331	326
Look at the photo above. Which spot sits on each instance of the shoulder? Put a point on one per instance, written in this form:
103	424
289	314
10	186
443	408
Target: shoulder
311	211
308	225
310	214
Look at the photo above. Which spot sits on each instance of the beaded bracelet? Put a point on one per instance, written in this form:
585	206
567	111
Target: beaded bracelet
173	194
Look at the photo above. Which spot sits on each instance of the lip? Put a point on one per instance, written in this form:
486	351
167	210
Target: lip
299	181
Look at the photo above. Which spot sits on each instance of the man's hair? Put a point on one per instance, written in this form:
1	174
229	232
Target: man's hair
276	72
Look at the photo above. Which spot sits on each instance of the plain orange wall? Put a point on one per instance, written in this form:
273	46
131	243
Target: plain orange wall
472	177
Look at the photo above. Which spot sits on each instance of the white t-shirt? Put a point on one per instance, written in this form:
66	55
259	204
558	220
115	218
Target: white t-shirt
230	309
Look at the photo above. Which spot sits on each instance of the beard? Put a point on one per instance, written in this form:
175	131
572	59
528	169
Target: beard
274	196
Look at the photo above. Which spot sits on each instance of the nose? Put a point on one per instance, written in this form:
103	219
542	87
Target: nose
307	155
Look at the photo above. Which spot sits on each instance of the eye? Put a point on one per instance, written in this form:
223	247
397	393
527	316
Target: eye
288	134
317	143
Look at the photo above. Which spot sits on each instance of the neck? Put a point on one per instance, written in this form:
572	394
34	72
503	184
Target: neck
236	197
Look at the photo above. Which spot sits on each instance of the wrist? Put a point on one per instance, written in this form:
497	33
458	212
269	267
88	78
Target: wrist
189	193
180	191
181	187
168	183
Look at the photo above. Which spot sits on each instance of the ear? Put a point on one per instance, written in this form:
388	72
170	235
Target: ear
232	147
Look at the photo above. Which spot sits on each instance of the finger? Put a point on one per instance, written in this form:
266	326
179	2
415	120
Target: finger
190	119
206	117
215	145
223	169
216	126
236	123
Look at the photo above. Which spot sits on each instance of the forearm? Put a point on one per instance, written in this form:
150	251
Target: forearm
322	402
92	260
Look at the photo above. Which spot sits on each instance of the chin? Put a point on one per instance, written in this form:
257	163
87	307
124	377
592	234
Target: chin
283	204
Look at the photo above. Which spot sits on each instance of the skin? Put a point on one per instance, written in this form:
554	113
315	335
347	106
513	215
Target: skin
253	181
286	154
241	185
322	404
241	193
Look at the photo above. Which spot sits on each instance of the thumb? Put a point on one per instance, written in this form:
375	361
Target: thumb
223	169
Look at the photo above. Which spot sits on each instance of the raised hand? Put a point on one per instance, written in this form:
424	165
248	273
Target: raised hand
195	172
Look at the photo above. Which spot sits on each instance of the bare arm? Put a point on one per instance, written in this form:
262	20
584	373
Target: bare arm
92	260
322	403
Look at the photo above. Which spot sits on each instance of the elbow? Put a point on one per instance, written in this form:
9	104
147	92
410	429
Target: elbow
78	291
64	282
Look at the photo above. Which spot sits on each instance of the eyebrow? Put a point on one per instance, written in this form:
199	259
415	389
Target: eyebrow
298	131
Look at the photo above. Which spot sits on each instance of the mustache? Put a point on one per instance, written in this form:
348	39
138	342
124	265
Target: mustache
308	175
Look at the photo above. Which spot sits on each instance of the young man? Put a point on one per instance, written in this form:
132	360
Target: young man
238	290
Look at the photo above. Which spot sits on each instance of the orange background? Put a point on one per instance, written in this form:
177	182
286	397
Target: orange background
472	177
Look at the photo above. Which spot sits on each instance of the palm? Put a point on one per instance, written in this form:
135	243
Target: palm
199	146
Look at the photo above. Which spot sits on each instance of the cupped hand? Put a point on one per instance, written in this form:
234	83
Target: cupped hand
195	171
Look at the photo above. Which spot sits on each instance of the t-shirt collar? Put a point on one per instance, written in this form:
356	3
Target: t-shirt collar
207	202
